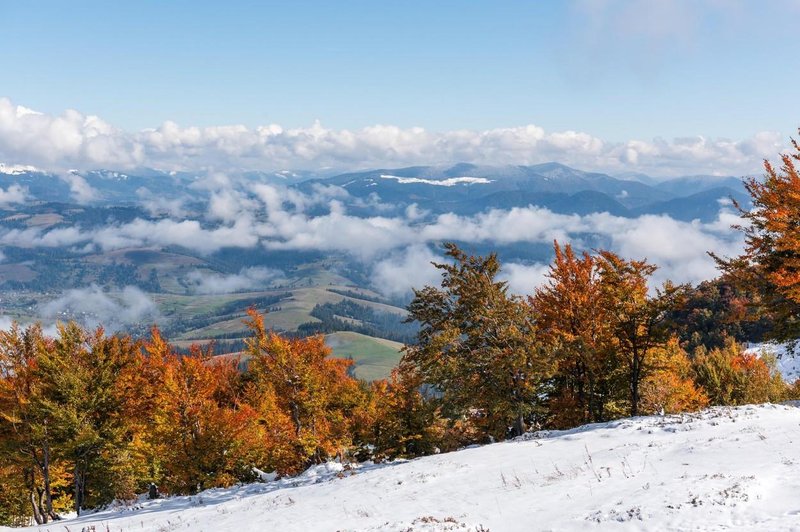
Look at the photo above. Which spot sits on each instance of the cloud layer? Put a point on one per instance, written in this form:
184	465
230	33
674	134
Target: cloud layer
396	248
247	279
74	140
92	306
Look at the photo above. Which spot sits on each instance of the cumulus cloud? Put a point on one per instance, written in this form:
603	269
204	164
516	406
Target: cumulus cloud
13	194
400	271
254	278
523	278
69	140
79	189
157	205
73	140
92	307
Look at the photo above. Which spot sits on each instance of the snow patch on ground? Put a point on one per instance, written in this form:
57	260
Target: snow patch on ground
449	182
718	469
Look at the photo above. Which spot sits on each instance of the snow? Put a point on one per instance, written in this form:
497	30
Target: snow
718	469
786	357
449	182
16	169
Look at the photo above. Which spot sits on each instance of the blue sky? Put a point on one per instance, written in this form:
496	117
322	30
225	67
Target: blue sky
615	69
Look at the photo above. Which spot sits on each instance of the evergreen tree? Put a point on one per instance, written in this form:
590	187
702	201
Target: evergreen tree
478	346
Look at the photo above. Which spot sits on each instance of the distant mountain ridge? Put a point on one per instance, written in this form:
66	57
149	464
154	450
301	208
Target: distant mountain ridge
462	188
560	188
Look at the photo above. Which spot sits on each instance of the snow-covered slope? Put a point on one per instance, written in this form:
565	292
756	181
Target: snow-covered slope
16	169
449	182
723	468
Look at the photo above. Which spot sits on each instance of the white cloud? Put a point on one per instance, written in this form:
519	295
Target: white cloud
158	205
74	140
523	278
397	246
79	189
13	194
247	279
404	269
92	307
65	141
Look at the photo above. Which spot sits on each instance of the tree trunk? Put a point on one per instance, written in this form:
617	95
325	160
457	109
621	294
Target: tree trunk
78	475
296	419
519	425
37	513
48	496
634	384
42	499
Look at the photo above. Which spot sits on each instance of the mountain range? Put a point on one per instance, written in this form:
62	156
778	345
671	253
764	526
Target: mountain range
461	188
466	189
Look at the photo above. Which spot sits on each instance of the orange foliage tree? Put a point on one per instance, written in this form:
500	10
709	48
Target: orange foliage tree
597	312
571	318
398	419
729	376
670	388
202	433
26	443
306	399
770	264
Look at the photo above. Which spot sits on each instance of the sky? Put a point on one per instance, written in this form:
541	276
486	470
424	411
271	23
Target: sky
615	71
662	87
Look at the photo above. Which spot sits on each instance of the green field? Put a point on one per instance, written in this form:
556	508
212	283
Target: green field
374	357
293	312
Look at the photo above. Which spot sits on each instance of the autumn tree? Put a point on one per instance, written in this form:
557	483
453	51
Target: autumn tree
572	319
715	310
637	319
729	376
598	313
770	263
306	398
77	375
201	431
61	413
402	421
478	346
26	439
669	387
